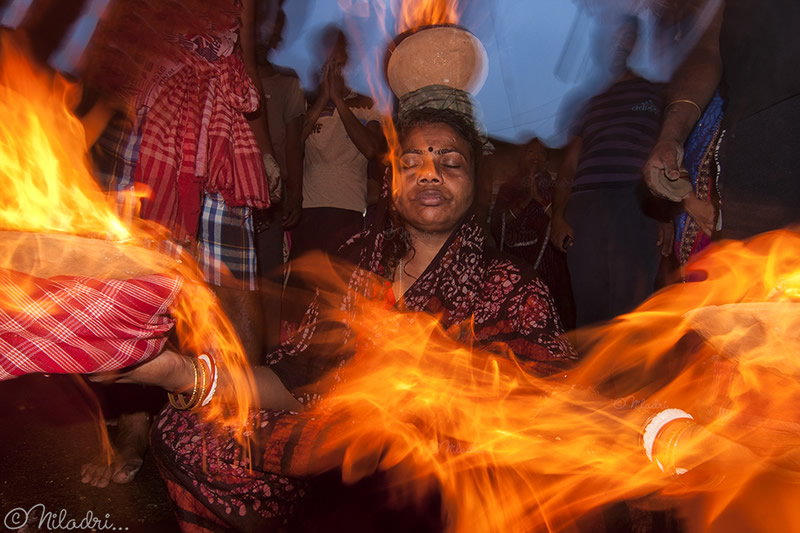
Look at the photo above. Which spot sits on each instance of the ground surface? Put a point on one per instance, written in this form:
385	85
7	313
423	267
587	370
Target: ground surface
47	434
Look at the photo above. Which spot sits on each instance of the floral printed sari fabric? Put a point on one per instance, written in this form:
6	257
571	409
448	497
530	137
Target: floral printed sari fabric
479	297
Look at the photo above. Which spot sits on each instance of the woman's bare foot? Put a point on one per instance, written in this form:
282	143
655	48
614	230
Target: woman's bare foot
129	448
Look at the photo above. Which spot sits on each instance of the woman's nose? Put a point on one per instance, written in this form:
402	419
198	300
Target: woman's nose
429	173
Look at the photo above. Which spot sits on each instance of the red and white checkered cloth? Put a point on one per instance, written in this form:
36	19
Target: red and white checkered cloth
195	138
71	324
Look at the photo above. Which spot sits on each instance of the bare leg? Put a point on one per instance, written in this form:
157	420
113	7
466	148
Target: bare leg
269	247
128	453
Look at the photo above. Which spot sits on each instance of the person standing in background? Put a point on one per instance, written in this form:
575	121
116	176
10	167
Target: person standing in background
600	203
342	133
286	106
520	225
750	52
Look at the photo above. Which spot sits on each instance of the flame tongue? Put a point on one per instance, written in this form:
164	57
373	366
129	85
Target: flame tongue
414	14
512	452
47	255
45	185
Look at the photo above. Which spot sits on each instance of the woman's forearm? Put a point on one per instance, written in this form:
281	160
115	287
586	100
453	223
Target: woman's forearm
693	85
183	374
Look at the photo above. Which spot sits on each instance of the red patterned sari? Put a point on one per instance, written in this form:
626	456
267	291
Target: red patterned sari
479	297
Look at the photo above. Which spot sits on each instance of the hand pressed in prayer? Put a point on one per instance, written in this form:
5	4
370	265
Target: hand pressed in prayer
324	86
336	87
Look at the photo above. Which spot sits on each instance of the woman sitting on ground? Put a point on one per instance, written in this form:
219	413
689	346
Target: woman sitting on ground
425	253
429	251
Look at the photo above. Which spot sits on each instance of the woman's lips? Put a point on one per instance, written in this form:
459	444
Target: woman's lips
430	197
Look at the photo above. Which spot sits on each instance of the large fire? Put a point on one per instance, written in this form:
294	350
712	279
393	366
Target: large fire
512	452
56	221
508	451
46	186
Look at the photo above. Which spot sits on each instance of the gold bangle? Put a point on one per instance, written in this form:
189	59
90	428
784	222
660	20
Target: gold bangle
203	389
195	392
684	101
178	401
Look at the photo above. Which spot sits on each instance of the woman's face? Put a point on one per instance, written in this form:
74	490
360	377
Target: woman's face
435	185
534	155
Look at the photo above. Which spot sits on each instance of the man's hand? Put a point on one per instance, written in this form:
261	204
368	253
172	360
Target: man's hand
666	237
292	209
663	174
702	212
561	234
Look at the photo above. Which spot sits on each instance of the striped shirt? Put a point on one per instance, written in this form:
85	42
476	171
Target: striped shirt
619	129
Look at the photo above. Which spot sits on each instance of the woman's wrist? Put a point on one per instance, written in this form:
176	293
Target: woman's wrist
195	382
183	377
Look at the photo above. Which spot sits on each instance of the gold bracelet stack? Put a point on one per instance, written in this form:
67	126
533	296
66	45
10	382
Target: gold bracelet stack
204	386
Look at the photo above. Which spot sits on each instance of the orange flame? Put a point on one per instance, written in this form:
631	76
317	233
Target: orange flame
56	193
48	194
416	13
512	452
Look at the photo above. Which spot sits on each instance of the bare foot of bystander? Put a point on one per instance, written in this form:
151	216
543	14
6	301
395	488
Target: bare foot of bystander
128	453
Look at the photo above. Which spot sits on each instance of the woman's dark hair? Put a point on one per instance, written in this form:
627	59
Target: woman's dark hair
396	240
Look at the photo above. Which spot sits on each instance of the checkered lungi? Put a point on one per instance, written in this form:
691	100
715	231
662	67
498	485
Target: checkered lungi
225	235
115	154
226	244
78	324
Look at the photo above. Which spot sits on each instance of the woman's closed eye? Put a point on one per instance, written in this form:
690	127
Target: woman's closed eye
452	161
410	161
